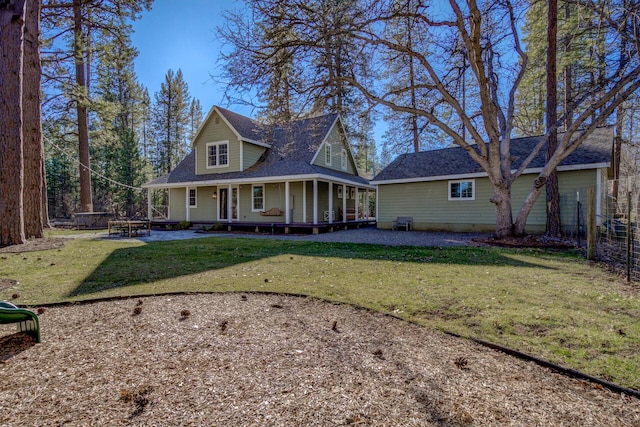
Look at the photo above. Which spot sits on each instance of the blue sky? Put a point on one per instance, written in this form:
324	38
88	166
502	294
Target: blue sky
180	34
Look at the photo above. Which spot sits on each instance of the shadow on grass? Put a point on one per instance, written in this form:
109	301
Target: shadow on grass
170	259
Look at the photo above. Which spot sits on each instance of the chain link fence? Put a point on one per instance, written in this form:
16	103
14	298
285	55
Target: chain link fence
618	243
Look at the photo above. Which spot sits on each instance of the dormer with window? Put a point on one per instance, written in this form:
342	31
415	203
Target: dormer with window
334	153
226	142
217	154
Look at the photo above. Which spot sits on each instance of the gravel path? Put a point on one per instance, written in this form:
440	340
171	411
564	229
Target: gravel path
361	235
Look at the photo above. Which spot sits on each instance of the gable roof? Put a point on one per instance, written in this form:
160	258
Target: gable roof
246	127
291	149
448	163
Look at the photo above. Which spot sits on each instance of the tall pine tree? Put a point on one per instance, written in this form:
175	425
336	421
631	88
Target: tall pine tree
171	121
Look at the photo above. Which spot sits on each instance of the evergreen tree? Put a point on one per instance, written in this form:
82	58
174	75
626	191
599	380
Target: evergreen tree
118	123
580	63
61	169
146	125
171	122
195	118
94	26
12	16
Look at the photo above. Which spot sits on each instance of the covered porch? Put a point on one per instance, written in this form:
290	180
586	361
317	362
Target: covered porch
284	206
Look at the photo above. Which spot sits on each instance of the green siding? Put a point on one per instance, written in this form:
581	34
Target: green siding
177	201
206	209
428	204
338	141
273	198
216	130
250	154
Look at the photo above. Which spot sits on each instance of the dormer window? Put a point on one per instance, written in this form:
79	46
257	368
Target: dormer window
217	154
327	154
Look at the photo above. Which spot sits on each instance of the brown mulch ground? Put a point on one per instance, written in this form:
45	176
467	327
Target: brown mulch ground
529	241
270	360
34	245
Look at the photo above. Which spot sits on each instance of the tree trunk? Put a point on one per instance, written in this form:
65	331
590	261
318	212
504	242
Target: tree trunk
553	193
86	203
568	75
504	217
11	145
527	205
617	153
45	201
32	125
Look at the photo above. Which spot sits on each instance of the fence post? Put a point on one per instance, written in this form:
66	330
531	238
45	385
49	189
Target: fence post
578	207
591	224
628	236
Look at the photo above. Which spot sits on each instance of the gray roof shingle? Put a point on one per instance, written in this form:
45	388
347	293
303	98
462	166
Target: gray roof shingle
454	161
291	151
246	127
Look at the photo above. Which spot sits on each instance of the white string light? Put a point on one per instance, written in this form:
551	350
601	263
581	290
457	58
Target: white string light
98	174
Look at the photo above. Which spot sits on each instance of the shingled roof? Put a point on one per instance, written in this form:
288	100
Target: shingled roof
450	162
246	127
291	152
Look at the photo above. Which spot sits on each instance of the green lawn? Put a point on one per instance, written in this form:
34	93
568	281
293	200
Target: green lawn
553	305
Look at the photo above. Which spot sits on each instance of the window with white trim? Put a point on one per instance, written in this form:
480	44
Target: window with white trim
344	159
193	198
257	203
218	154
327	154
462	190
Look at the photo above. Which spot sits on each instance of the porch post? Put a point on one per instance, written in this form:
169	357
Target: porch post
377	198
149	209
330	202
187	204
229	204
304	201
287	207
315	201
366	203
344	202
357	203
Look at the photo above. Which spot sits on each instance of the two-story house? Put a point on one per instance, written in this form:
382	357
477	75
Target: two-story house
241	173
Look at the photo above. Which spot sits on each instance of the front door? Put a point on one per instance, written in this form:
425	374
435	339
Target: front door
223	196
223	209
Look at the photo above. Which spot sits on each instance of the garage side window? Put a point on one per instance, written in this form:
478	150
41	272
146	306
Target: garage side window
462	190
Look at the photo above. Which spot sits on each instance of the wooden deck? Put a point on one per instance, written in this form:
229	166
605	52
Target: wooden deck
273	227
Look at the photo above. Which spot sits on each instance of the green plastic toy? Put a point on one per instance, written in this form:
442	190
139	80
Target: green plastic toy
27	320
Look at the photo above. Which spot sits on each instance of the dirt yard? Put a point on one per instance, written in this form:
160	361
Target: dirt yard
269	360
